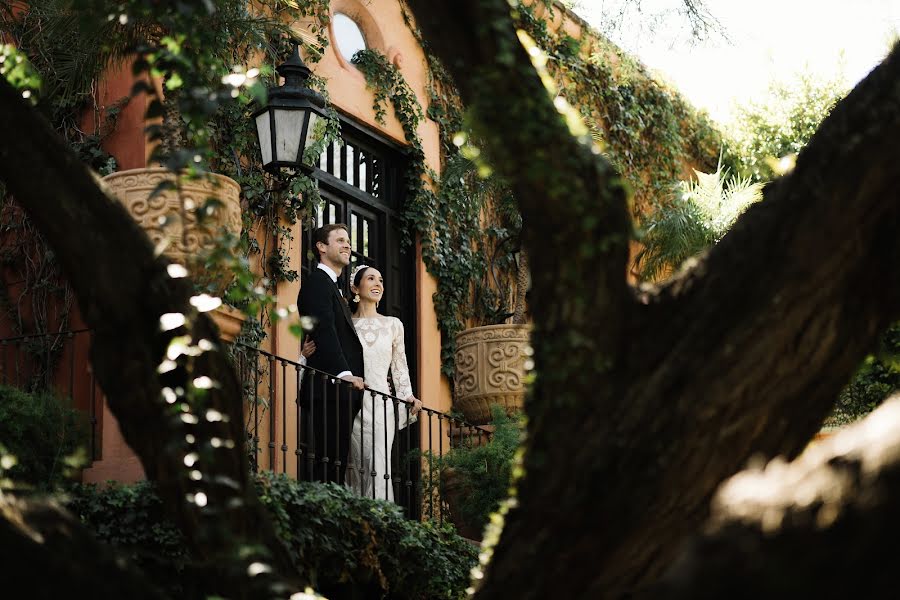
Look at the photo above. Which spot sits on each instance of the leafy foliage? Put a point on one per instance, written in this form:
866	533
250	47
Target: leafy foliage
700	212
876	378
342	541
44	435
782	122
481	474
132	519
17	70
648	130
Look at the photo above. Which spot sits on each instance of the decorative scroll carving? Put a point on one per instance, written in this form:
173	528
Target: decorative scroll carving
170	216
161	216
490	369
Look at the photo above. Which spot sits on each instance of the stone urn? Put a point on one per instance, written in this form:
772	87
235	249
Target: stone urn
169	217
490	369
161	216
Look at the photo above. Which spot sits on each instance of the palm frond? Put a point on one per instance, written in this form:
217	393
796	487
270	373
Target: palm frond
698	215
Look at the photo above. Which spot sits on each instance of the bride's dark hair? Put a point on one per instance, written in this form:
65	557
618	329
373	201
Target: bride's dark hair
357	278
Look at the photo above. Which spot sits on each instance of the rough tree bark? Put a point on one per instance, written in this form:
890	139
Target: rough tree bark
769	524
123	290
645	402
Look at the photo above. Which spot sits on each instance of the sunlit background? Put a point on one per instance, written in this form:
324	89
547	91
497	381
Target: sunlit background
762	40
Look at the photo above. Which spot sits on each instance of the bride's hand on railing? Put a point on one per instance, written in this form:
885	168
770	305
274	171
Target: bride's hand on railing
416	406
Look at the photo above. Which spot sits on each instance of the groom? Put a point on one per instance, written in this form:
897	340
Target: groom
329	409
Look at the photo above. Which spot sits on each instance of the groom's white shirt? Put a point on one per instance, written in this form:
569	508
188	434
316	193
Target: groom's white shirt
333	276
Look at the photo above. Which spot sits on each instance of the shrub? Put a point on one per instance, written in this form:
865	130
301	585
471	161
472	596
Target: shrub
344	543
481	474
784	121
877	378
697	215
43	433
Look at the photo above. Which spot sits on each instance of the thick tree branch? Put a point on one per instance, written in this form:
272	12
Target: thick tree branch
748	351
122	291
825	525
572	198
668	400
46	551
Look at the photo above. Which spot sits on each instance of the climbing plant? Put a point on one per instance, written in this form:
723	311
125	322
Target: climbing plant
212	93
467	220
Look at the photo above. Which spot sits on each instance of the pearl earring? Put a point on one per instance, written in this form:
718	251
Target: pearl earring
356	298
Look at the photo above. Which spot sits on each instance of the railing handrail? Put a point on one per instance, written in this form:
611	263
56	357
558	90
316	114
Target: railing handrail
281	359
47	334
386	395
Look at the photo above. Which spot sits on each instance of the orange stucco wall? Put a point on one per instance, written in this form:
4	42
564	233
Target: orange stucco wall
127	143
384	29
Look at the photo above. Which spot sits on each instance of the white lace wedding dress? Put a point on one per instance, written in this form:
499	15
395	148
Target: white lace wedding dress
374	427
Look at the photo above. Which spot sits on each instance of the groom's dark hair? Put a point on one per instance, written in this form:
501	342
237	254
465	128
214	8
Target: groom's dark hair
321	235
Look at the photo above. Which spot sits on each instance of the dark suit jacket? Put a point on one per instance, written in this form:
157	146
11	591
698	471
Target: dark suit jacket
337	346
329	408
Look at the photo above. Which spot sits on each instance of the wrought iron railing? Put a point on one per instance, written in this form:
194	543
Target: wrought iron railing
282	398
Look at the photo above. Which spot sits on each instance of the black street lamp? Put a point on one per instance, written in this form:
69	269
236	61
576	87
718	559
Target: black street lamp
287	125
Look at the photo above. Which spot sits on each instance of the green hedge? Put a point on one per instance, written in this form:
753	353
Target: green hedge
349	546
44	434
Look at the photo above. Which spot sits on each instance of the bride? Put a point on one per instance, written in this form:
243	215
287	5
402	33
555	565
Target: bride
376	424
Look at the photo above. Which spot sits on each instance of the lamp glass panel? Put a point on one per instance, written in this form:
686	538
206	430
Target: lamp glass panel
264	132
314	133
288	129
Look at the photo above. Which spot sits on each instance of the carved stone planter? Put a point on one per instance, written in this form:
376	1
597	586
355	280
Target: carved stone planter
229	320
161	216
490	369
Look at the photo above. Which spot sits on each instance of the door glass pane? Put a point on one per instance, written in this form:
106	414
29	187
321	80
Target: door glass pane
363	181
351	172
336	158
375	187
365	237
354	241
332	213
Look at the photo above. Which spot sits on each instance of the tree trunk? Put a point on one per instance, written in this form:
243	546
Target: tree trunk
47	553
644	402
824	526
123	291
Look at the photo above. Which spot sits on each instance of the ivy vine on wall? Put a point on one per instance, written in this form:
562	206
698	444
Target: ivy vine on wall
468	222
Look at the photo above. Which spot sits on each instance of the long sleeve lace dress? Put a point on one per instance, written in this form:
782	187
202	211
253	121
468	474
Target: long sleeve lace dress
374	428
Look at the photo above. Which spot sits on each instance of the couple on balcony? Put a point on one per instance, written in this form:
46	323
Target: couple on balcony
355	343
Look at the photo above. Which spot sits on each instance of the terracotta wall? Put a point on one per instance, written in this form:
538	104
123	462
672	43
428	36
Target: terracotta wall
384	29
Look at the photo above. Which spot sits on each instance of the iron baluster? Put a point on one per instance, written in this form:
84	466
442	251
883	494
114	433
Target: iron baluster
273	406
440	466
430	466
255	438
374	473
284	446
409	455
387	451
298	451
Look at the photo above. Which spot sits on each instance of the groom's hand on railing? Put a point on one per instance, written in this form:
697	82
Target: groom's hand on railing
355	381
415	407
